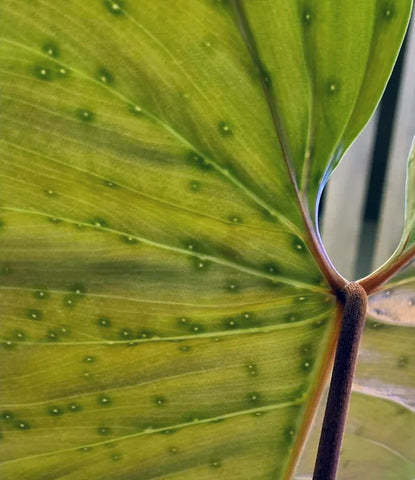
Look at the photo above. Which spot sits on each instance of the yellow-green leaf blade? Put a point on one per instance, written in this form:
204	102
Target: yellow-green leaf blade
306	51
156	276
154	261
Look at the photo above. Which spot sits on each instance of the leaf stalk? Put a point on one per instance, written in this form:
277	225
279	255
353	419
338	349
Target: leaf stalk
354	299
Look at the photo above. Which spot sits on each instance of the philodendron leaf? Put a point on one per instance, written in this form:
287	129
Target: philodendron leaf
163	315
394	303
378	441
333	58
384	387
404	252
408	236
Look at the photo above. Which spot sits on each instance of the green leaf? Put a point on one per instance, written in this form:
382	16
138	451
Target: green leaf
378	441
394	303
408	236
164	307
325	64
404	252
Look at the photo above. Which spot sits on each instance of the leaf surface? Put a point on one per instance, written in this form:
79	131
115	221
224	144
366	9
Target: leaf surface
163	315
337	56
408	237
401	257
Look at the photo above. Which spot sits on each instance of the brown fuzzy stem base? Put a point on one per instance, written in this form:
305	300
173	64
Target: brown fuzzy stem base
354	315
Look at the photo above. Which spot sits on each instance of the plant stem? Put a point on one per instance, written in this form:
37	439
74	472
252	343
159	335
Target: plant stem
354	298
